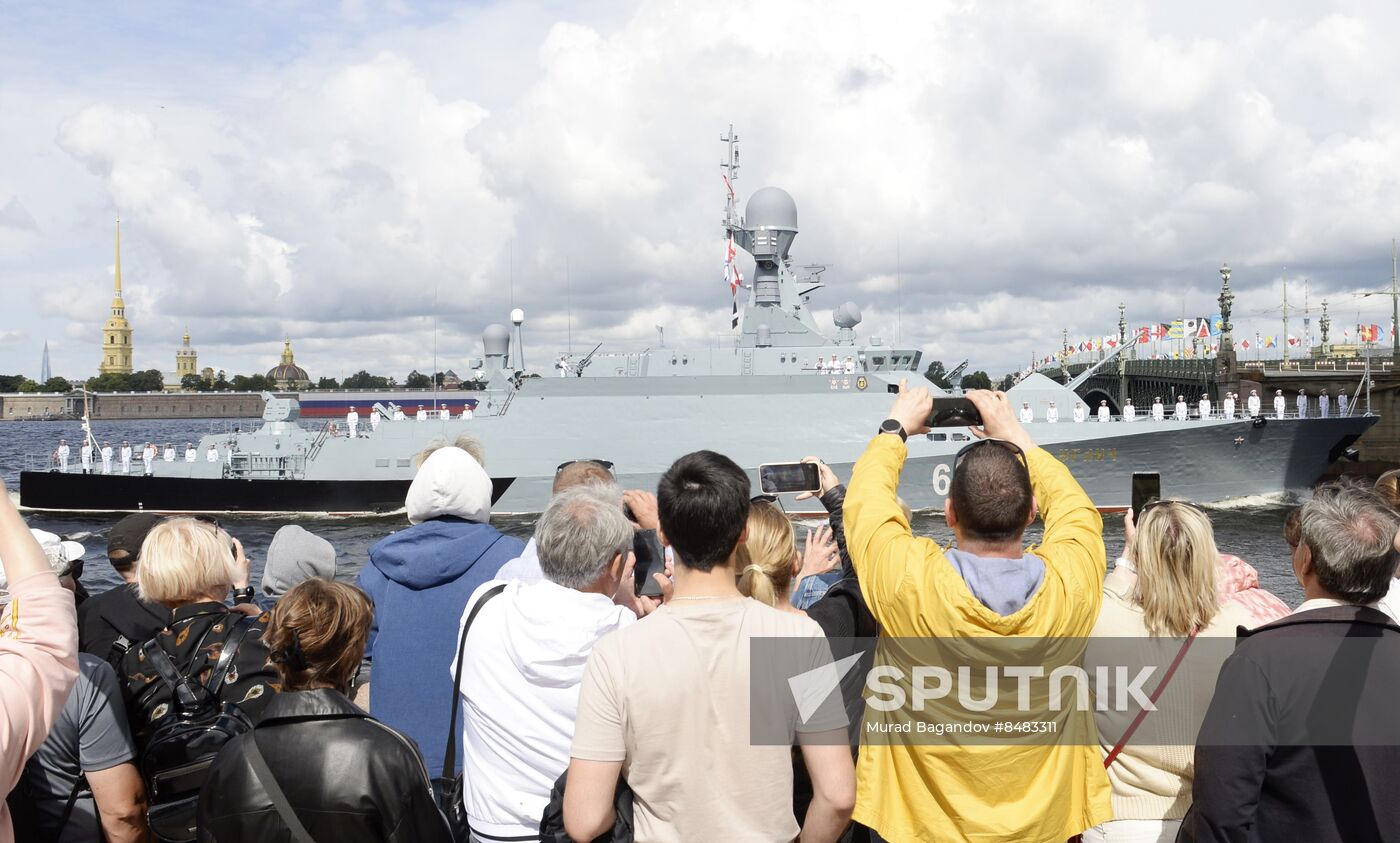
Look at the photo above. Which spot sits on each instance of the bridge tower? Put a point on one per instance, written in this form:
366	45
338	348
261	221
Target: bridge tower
1122	356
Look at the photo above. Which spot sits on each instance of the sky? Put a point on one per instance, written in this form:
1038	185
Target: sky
379	181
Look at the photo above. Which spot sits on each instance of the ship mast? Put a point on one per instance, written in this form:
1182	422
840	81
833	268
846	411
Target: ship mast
730	165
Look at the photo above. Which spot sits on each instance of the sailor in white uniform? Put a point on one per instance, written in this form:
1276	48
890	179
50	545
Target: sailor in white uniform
169	454
190	453
352	421
62	455
1129	411
1229	405
835	365
1302	403
398	414
1278	403
1027	414
1342	401
211	455
1204	406
125	454
467	412
562	364
85	454
1253	403
445	414
1052	415
1322	404
1080	412
373	420
1180	414
1159	410
422	415
850	365
1105	414
148	456
106	458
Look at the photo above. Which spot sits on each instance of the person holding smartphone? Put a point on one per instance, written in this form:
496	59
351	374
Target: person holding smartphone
986	586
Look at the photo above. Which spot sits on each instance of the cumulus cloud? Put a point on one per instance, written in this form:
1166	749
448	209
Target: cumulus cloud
1021	171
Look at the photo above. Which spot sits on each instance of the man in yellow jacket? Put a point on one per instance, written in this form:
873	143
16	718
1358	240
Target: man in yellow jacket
988	587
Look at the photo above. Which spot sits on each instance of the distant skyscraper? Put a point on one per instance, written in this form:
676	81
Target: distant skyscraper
44	371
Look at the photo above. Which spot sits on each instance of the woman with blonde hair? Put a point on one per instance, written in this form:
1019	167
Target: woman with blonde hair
190	566
1165	588
770	567
317	636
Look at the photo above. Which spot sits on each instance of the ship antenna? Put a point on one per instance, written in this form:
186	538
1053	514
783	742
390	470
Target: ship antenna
731	174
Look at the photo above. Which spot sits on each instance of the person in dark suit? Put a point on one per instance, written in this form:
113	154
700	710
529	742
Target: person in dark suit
1301	741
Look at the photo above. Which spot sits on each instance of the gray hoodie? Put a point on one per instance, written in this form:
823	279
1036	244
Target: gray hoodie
1002	585
294	556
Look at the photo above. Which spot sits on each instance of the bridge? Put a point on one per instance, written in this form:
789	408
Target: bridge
1368	376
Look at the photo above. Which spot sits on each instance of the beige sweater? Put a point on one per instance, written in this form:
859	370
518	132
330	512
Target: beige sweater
1153	782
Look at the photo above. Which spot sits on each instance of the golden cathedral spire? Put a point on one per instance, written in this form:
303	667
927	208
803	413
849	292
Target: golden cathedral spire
116	332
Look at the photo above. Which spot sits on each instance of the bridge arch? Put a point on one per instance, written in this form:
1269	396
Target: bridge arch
1095	395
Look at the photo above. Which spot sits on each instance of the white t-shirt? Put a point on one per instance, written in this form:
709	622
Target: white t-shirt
1390	603
669	697
526	654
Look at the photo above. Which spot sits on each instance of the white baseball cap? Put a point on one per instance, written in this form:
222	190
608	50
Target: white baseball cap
72	551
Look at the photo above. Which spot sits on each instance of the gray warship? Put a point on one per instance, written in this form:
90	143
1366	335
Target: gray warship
781	390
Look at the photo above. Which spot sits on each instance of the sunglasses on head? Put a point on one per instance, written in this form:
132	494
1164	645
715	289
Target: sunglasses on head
981	443
764	498
1158	502
606	465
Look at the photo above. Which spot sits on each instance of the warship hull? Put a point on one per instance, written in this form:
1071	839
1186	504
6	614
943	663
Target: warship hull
753	420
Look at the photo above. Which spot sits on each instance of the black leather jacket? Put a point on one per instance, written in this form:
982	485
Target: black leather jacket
349	778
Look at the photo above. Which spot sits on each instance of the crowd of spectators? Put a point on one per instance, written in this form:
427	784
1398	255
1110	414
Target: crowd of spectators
599	680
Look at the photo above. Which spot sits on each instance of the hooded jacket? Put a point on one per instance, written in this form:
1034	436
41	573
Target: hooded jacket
525	657
419	580
384	797
908	791
294	556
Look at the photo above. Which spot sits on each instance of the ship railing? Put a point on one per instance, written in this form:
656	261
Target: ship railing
245	466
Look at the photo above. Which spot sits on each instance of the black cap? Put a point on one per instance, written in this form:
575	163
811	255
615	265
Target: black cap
124	541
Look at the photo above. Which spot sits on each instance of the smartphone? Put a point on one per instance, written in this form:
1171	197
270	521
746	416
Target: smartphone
1146	487
651	559
776	478
954	412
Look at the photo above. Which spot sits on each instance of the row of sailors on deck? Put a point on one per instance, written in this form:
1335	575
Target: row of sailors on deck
1182	411
352	418
89	456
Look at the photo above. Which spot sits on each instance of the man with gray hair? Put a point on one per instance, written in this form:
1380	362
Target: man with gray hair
1301	741
526	649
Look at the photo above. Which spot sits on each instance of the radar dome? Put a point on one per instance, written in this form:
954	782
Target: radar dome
517	316
847	315
496	340
771	207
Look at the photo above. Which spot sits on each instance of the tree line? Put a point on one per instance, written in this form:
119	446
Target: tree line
938	374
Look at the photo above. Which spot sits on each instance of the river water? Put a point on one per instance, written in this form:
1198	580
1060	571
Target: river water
1251	530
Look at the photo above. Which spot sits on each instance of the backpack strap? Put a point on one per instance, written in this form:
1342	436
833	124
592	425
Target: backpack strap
78	787
264	775
180	685
185	696
230	651
449	761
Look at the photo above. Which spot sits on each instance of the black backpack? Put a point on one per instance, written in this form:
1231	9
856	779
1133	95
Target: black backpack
184	742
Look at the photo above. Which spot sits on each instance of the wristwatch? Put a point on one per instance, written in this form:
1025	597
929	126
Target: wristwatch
243	595
893	426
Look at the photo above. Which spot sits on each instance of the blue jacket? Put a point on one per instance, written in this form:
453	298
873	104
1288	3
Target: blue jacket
419	580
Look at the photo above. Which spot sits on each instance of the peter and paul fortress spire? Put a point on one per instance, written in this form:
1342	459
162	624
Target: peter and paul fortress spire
116	332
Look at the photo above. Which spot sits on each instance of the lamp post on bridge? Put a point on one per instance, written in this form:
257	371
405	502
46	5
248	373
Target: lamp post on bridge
1226	364
1122	357
1325	323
